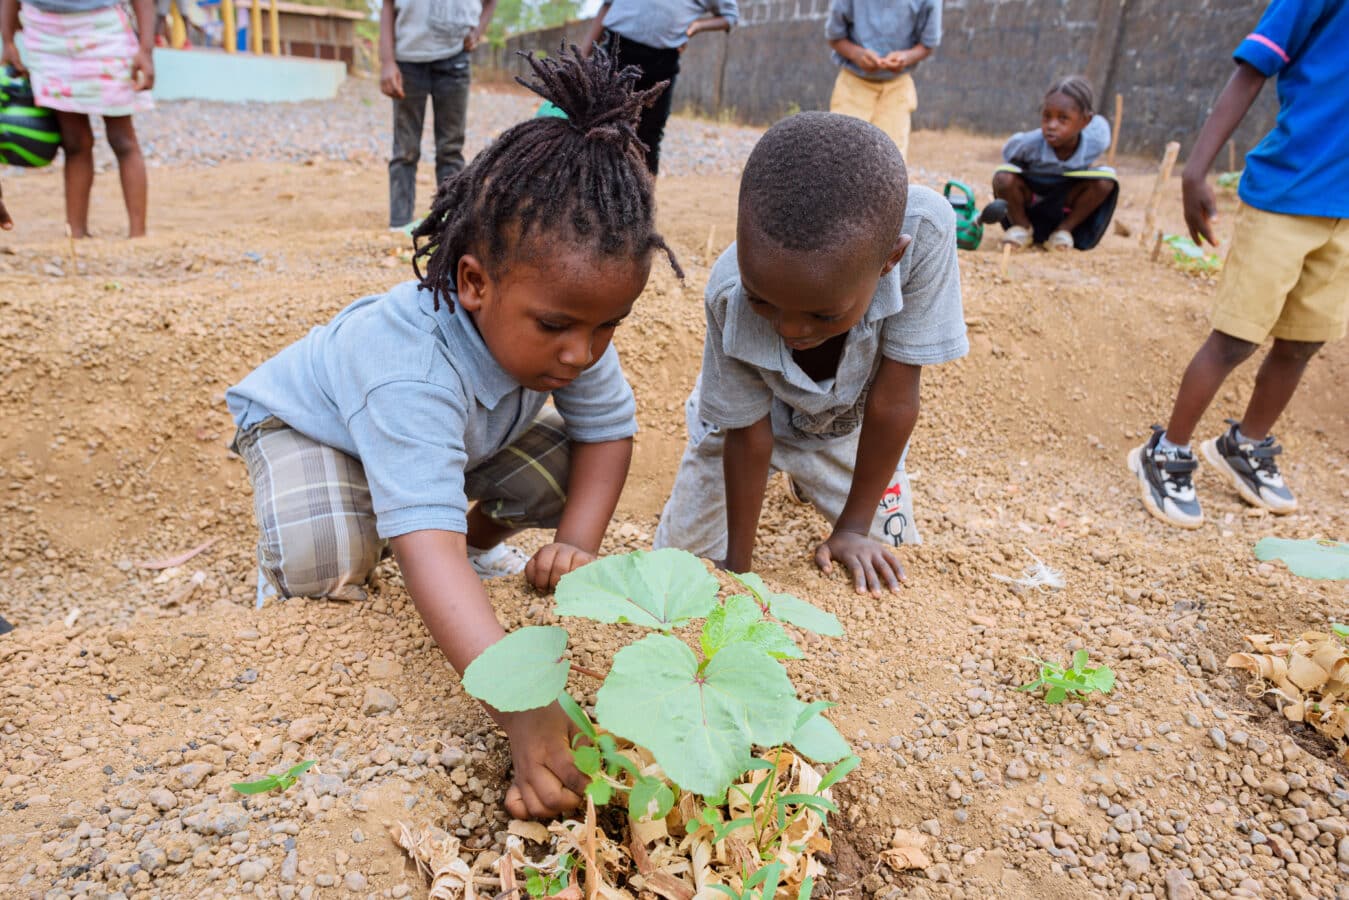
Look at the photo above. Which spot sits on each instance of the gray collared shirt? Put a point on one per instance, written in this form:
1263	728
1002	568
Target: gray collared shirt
1030	150
430	30
915	317
417	397
663	23
883	26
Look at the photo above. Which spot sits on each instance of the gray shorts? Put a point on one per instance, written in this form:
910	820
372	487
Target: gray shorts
695	515
316	522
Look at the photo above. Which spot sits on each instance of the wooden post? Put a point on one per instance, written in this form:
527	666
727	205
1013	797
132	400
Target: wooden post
1163	176
231	33
274	28
1114	132
255	29
1006	256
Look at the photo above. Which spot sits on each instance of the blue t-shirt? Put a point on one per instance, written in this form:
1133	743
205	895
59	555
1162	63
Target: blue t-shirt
1301	168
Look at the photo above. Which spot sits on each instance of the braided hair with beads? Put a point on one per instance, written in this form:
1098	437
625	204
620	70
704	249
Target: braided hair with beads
582	178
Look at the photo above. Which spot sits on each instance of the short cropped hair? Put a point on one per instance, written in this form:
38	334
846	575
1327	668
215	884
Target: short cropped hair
820	181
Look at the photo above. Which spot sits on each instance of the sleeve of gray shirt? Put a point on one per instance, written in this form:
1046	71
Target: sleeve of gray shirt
930	329
1095	139
725	8
930	35
416	483
1022	147
839	21
598	406
733	394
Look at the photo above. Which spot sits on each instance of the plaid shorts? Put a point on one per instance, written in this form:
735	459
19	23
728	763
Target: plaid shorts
316	522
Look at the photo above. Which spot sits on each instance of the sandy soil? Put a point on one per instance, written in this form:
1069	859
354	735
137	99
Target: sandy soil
130	699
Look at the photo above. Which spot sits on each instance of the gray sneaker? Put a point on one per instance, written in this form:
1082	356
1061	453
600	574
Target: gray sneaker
1166	481
1252	470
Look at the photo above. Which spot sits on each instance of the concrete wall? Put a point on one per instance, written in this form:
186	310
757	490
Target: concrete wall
1168	58
242	77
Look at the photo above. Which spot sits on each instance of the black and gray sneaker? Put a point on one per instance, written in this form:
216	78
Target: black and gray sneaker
1166	481
1252	469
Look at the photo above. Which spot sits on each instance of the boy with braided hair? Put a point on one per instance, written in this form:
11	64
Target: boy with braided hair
383	424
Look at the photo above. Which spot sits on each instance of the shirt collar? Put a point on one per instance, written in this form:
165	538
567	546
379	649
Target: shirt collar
469	353
748	337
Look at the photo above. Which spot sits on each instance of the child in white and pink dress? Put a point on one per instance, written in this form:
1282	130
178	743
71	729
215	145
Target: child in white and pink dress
85	59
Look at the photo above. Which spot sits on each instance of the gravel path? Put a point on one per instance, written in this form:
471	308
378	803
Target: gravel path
356	126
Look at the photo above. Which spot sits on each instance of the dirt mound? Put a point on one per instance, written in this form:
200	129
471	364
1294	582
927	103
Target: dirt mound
130	698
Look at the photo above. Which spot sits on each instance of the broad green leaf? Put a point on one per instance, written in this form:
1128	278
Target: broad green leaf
698	723
1103	679
587	760
818	739
662	589
600	791
789	609
1080	659
1055	695
523	670
740	620
650	799
838	772
1326	560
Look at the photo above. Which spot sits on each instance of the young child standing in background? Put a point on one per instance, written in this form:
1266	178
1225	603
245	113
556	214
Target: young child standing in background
424	48
877	45
383	424
841	285
652	35
1287	273
1054	194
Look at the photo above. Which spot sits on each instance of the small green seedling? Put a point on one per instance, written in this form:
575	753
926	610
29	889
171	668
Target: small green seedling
1079	679
1341	630
279	782
1229	181
1190	257
537	884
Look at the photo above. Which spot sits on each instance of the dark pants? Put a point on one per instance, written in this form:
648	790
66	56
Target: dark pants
657	64
445	81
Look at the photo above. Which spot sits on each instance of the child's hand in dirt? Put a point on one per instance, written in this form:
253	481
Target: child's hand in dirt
546	780
391	80
547	567
871	564
1201	209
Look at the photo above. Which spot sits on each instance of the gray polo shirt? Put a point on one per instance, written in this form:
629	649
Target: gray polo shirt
663	23
883	26
417	397
428	30
1030	150
915	317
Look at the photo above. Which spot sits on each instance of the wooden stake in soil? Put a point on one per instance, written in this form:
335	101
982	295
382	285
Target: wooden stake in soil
1114	135
711	237
1157	247
70	245
1006	256
1163	176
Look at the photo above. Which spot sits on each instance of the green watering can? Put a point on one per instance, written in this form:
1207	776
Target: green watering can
969	228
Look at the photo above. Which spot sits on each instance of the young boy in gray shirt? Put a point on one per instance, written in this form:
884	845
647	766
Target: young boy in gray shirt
841	286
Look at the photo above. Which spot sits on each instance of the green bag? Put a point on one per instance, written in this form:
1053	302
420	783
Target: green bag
28	134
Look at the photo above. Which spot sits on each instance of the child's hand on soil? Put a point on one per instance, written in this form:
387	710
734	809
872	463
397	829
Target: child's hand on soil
1201	209
547	567
546	780
871	564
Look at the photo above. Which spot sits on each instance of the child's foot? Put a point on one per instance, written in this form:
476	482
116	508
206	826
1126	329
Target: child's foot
1017	236
1166	481
498	562
1060	240
1252	469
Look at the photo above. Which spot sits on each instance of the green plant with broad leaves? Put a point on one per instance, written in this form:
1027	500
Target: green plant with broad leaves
1076	679
698	710
1310	558
279	782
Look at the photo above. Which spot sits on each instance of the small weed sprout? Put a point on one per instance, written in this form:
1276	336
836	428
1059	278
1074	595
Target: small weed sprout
1190	257
280	782
537	884
1078	679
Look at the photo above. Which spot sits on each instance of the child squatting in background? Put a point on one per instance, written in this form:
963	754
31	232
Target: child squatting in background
383	424
841	286
1054	195
84	60
1287	272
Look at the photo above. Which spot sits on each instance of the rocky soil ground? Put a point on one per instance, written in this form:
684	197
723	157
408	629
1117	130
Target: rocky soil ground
130	697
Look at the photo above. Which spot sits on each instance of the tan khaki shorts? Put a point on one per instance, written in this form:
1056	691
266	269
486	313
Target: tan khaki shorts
1285	277
889	105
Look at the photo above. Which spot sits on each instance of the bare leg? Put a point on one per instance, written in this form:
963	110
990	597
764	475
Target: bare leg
1084	199
1012	187
131	168
1274	385
483	533
77	144
1216	359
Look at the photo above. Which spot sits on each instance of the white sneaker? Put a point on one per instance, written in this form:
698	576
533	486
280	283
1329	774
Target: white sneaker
1018	237
497	562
